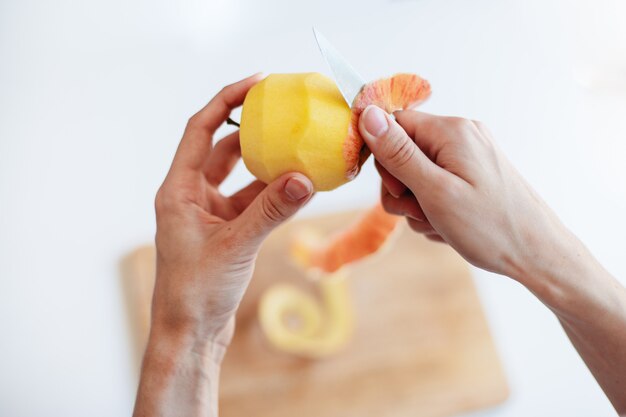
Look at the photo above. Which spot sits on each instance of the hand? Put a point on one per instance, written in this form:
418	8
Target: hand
454	185
207	242
206	247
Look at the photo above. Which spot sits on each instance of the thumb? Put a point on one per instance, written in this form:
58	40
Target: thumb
276	203
393	148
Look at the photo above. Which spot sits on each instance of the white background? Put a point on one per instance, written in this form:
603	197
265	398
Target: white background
94	97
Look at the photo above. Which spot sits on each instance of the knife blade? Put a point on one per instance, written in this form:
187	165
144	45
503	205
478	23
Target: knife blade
348	80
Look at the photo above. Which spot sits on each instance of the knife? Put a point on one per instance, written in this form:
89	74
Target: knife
348	80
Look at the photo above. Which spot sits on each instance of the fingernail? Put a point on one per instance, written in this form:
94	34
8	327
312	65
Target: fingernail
375	121
297	188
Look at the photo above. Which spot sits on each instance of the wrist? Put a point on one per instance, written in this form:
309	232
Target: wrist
179	375
179	341
180	314
566	277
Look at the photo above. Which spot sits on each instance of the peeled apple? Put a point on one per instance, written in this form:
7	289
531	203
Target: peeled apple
300	122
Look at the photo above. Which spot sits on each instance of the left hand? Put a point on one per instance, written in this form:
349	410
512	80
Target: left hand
206	242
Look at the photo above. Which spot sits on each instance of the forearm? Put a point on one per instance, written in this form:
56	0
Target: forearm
179	376
591	306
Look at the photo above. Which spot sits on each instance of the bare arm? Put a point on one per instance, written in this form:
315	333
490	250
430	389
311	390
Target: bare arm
180	376
206	247
447	176
591	306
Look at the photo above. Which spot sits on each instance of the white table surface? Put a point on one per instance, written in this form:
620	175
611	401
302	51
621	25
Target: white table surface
94	97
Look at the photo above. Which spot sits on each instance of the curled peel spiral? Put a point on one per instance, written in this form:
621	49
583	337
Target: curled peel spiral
296	322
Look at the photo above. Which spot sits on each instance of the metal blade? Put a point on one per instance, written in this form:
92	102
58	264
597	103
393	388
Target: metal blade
348	80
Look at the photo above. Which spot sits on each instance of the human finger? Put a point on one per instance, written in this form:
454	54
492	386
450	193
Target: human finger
394	185
225	155
405	205
274	205
396	151
197	143
242	198
422	227
435	238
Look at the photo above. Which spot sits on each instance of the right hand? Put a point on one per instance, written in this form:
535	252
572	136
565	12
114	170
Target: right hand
453	184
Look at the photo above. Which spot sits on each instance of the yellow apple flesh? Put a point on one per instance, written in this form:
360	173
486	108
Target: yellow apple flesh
297	122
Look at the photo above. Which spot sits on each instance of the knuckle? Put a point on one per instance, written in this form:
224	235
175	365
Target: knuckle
164	201
272	210
399	150
461	122
228	89
226	93
458	123
436	125
159	203
193	122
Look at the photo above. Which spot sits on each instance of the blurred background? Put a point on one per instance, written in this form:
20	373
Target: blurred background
94	96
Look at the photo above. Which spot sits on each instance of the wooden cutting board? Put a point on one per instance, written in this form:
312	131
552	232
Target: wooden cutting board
421	345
